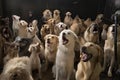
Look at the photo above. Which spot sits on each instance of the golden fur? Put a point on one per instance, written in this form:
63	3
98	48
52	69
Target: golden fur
56	16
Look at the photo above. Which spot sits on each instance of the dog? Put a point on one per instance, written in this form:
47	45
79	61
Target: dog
68	19
47	14
92	33
59	27
56	16
17	69
88	21
35	50
77	26
11	50
51	44
64	65
90	65
15	24
109	55
22	32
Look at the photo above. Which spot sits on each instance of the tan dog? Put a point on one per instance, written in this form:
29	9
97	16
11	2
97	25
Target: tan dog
56	16
64	66
22	32
78	26
89	67
51	45
17	69
109	55
15	24
47	14
88	21
35	25
59	27
92	34
10	50
35	50
68	19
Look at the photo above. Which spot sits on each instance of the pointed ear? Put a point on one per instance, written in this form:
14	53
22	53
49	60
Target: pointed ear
30	48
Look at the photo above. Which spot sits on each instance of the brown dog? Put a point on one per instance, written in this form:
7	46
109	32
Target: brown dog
89	67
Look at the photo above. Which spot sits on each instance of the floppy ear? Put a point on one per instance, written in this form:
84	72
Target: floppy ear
30	48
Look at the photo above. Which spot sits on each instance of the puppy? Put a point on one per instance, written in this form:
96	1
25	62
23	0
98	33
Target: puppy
56	16
78	26
109	55
35	50
15	24
47	14
17	69
11	50
68	19
89	67
51	45
59	27
64	66
22	32
92	33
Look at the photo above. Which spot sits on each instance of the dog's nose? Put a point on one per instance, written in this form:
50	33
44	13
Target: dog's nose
63	34
84	48
48	40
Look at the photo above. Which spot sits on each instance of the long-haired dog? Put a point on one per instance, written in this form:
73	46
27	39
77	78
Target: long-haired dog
17	69
90	65
64	66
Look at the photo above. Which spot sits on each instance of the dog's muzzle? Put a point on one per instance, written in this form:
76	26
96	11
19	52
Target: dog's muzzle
65	40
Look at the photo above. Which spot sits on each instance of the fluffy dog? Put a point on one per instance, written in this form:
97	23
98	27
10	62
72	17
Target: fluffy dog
65	55
89	67
47	14
68	19
59	27
51	44
56	16
78	26
92	33
35	50
10	50
15	24
109	55
22	32
17	69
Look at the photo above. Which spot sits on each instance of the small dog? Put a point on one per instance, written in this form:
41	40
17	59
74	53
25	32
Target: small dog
17	69
15	24
68	19
92	33
64	66
47	14
11	50
35	50
109	55
59	27
22	32
90	65
51	44
56	16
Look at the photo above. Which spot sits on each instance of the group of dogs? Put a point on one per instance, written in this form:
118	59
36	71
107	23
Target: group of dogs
87	43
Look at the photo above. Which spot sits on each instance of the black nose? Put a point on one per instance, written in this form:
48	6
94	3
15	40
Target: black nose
48	40
84	48
63	34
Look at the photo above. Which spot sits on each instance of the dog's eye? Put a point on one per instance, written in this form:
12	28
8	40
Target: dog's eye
91	45
52	37
69	33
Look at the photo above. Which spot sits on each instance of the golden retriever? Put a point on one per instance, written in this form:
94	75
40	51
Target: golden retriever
64	66
89	67
56	16
68	19
92	33
51	45
109	55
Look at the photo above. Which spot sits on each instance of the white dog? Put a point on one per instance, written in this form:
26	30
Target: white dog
64	65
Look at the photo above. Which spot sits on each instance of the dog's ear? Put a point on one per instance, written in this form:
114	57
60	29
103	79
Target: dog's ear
104	32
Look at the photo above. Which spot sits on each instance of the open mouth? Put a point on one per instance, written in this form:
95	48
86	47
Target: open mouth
47	31
85	56
95	30
65	40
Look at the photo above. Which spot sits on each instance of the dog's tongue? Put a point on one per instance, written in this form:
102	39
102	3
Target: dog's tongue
84	56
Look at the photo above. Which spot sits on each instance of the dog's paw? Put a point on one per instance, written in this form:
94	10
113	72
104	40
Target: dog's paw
109	74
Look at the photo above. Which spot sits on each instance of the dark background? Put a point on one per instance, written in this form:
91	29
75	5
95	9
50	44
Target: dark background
84	8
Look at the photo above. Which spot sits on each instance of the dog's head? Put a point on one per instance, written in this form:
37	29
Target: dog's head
51	21
35	48
91	52
23	23
68	38
56	12
68	13
15	17
47	14
93	28
99	18
51	40
46	29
